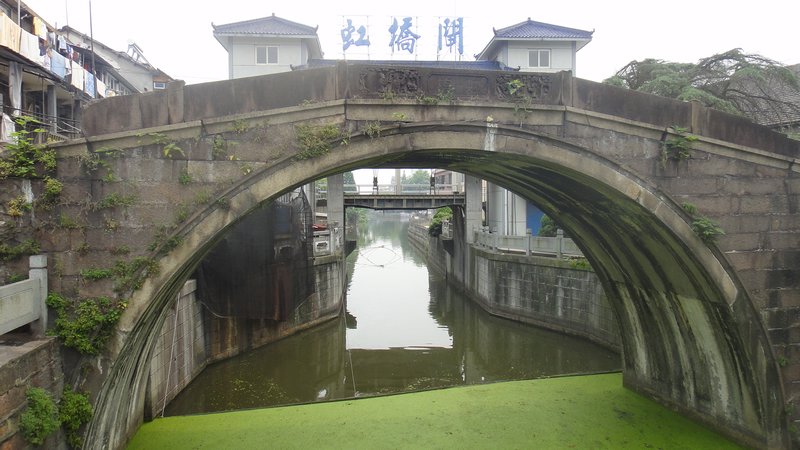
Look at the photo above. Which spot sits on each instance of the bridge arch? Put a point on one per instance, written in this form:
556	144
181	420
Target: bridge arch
690	335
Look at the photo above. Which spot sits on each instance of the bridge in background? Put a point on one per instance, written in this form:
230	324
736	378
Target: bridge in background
706	327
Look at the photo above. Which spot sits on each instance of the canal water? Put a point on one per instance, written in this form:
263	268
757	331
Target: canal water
404	329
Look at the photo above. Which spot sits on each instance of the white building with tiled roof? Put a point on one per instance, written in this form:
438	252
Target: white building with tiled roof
536	46
267	45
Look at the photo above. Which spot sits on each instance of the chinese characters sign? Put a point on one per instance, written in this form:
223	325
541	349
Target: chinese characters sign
402	35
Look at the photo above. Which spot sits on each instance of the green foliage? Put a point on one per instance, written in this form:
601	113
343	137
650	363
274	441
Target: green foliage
169	148
373	129
14	278
356	216
18	206
96	274
388	93
427	99
547	227
52	188
240	126
85	324
732	81
40	419
514	86
705	228
246	168
441	215
114	200
130	275
83	248
678	147
316	140
419	176
109	177
184	178
121	250
219	149
398	116
25	159
67	222
580	263
181	214
74	410
202	197
11	252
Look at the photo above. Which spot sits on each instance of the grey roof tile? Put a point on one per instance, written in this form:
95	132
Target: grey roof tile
270	25
531	29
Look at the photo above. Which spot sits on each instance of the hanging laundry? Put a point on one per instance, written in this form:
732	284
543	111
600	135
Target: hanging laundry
78	76
39	28
62	44
45	59
101	87
29	46
8	128
9	37
58	64
15	86
89	83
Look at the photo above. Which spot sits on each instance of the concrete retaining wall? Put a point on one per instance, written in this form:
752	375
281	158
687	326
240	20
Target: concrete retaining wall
192	337
24	365
542	291
180	352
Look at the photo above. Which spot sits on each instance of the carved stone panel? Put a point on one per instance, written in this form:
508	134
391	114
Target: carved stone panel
401	82
517	86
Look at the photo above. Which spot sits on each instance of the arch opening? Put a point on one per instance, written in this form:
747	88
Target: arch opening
682	314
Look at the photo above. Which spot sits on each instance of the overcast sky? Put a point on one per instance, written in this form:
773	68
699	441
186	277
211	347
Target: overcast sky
176	36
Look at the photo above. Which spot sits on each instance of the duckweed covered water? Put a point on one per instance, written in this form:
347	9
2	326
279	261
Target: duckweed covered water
569	412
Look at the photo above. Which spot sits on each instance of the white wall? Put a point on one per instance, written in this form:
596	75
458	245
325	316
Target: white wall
561	56
243	56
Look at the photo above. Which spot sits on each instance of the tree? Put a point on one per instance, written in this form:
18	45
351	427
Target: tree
735	82
419	176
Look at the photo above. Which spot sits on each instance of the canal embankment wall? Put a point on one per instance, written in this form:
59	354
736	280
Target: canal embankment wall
193	336
549	292
24	364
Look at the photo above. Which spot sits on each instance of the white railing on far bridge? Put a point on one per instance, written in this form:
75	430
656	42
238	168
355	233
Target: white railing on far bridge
527	244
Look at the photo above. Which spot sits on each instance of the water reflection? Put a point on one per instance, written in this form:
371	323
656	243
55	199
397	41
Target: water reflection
403	330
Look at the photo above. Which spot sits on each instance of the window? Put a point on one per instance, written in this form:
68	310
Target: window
266	55
159	85
539	58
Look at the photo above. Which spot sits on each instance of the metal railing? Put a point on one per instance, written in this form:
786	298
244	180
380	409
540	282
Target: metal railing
393	189
527	244
56	129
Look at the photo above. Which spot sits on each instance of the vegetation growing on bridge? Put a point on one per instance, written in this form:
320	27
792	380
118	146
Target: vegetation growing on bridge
704	227
316	140
40	420
10	252
43	416
85	324
678	147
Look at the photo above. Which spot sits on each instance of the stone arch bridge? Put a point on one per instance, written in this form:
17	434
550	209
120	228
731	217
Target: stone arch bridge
707	328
